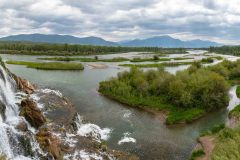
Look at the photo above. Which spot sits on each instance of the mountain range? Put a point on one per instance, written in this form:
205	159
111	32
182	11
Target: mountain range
158	41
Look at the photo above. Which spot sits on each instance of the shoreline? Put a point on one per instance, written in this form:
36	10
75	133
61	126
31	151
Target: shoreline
162	115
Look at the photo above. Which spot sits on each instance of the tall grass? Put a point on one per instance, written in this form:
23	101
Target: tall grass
49	65
228	145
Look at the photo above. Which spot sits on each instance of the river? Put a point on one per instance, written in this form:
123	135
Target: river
132	130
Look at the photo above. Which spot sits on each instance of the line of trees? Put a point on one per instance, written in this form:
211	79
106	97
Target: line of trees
74	49
230	50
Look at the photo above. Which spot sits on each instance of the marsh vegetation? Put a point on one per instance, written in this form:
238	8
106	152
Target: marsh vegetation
49	65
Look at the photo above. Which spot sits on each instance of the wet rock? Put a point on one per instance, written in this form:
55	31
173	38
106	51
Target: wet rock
26	145
22	126
2	110
50	143
32	114
24	85
58	110
119	155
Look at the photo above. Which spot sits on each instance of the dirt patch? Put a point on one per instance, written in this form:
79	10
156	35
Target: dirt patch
97	66
208	144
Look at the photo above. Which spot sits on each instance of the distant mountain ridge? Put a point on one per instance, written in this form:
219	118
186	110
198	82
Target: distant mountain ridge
54	38
159	41
169	42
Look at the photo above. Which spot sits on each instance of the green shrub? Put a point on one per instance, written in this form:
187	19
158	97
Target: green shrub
196	154
190	93
238	91
235	112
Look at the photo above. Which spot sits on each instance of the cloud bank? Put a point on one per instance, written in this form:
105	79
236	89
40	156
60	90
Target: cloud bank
217	20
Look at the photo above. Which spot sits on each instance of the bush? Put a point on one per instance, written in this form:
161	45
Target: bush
193	91
196	154
238	91
155	57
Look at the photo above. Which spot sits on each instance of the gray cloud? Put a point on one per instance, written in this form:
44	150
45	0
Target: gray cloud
217	20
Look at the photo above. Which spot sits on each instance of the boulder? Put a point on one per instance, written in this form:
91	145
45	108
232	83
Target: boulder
31	113
50	143
24	85
22	126
2	110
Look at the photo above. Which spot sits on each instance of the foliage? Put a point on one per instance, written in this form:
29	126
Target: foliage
227	145
217	57
184	116
231	50
235	112
74	49
155	57
156	65
149	59
49	65
196	154
189	93
208	60
238	91
217	128
95	59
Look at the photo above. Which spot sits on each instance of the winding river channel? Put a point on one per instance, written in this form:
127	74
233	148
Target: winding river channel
132	130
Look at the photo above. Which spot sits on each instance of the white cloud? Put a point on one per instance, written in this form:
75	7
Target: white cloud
217	20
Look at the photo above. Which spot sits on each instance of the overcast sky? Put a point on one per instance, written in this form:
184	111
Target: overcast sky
116	20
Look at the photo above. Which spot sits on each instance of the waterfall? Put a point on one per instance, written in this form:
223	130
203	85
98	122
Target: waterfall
9	118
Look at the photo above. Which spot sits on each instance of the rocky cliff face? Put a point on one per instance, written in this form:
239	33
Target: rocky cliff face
40	123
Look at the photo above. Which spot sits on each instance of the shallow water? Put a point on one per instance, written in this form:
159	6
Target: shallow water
149	138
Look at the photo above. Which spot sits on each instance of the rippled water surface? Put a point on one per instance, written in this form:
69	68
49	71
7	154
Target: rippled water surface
131	129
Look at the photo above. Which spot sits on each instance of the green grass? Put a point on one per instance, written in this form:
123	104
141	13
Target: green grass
134	60
196	154
158	104
182	58
117	59
184	116
217	57
164	64
227	145
156	65
49	65
238	91
235	112
214	130
145	102
207	60
157	59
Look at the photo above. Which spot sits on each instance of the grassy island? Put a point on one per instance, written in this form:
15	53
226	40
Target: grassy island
49	65
164	64
116	59
185	96
68	59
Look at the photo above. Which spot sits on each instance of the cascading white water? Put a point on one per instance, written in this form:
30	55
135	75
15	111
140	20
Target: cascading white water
8	133
92	130
7	98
